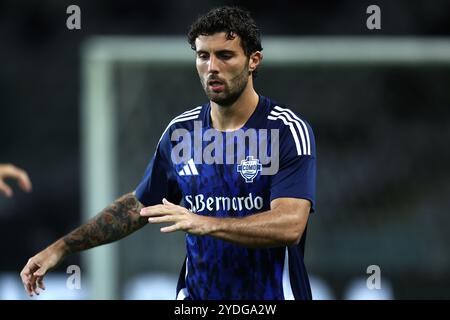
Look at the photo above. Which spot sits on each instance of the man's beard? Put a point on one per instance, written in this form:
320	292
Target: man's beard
229	95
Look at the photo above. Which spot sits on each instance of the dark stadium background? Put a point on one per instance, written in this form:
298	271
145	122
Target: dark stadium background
382	133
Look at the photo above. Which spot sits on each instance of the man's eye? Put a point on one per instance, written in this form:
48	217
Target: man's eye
226	56
202	56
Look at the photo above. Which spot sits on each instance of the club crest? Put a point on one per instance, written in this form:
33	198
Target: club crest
249	168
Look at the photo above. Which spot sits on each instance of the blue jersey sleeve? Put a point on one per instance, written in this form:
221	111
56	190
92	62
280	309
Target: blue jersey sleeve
296	177
159	181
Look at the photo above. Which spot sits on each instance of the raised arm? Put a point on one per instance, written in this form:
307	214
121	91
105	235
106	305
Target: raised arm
113	223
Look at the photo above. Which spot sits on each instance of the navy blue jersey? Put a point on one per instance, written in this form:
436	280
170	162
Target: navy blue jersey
240	182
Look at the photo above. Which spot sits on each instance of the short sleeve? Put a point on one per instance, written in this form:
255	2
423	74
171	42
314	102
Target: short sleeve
296	176
158	181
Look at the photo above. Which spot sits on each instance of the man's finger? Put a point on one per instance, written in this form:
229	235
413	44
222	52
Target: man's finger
171	228
167	202
156	210
37	284
30	285
25	282
20	175
27	287
26	271
24	181
40	282
40	272
24	277
28	278
5	189
163	219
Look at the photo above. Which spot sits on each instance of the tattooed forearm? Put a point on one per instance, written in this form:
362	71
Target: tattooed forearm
113	223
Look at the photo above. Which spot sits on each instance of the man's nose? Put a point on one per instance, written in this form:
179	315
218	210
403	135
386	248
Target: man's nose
212	65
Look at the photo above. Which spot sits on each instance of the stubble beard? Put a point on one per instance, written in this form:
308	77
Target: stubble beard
230	94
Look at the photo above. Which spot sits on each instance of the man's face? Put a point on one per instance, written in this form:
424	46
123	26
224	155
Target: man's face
222	66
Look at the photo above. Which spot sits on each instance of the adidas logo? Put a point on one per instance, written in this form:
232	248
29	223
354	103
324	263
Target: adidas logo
189	169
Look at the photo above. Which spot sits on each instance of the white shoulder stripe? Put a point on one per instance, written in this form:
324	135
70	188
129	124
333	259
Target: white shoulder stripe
291	127
308	141
186	114
191	111
177	120
183	117
297	124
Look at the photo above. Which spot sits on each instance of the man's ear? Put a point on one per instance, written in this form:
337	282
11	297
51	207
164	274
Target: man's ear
254	61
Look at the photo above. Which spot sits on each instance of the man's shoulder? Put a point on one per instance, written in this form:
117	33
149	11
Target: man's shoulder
188	117
293	128
184	120
283	116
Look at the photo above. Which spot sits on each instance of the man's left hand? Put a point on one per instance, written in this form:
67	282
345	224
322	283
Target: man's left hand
181	219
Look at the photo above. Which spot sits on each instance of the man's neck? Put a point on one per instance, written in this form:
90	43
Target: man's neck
234	117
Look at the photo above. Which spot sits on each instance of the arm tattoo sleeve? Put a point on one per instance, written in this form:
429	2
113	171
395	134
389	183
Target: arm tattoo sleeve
113	223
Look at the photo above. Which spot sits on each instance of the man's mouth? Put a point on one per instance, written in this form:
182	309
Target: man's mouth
216	85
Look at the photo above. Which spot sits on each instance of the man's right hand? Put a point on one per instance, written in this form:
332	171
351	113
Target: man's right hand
116	221
37	267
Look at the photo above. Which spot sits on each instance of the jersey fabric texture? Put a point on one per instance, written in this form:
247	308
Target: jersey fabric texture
217	269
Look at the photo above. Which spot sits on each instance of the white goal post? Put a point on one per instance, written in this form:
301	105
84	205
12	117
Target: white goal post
98	118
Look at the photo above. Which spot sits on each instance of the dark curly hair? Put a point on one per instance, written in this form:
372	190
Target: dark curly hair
231	20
